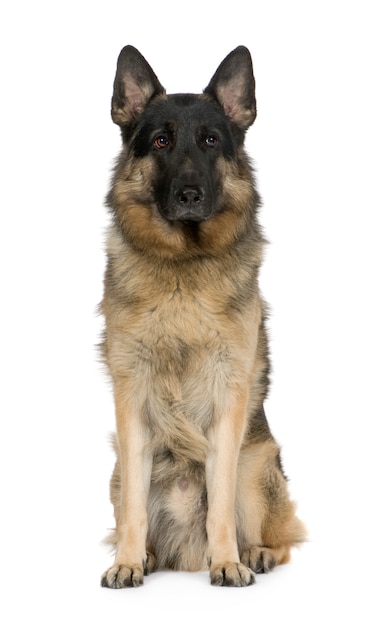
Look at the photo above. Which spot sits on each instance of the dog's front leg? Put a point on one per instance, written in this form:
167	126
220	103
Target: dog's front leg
221	471
135	461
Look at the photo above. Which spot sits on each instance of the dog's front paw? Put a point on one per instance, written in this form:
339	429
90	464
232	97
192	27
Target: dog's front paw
120	576
259	559
231	575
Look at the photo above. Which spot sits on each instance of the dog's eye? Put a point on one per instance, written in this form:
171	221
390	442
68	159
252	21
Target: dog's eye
161	142
211	141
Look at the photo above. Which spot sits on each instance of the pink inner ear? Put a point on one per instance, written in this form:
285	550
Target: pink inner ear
137	95
231	107
133	94
230	94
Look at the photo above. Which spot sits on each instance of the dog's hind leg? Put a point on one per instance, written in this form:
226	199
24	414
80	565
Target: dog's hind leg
267	524
134	465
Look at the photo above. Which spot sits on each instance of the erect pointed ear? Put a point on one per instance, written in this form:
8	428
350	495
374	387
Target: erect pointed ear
233	86
135	84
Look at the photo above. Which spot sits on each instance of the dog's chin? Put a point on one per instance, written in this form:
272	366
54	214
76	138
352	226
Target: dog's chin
186	215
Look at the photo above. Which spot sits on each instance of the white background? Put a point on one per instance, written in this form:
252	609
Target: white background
321	145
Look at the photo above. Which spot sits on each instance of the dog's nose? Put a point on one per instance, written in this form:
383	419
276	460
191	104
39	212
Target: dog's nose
190	196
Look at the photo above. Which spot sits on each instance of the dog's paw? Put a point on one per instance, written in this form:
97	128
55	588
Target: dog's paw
120	576
231	575
260	560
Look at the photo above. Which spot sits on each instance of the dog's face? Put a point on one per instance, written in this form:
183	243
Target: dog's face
185	136
182	153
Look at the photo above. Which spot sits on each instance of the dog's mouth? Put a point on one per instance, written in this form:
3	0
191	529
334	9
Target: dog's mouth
197	211
187	215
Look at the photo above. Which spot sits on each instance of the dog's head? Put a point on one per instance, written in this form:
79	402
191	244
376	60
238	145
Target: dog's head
183	153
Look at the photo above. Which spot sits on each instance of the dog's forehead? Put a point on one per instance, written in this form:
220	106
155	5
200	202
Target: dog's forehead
186	109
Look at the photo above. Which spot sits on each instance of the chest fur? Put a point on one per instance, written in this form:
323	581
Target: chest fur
178	336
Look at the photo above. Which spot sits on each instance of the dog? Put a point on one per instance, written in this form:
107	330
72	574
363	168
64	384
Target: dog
198	481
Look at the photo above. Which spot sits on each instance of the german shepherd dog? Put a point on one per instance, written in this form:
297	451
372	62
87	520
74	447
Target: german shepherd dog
198	481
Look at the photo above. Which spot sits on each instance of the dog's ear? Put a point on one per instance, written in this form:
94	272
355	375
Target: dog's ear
135	84
233	86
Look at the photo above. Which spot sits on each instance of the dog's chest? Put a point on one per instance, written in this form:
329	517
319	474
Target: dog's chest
180	340
178	351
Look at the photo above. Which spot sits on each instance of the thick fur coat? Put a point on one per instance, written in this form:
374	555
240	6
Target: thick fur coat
198	480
